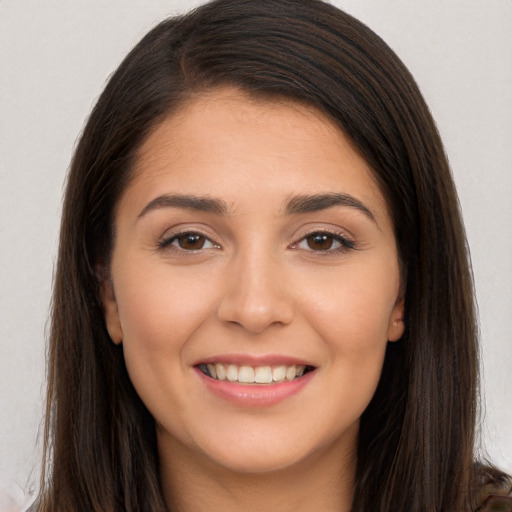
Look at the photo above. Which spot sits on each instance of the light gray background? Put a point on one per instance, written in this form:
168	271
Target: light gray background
55	56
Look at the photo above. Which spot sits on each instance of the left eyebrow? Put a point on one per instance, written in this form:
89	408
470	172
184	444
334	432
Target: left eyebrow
318	202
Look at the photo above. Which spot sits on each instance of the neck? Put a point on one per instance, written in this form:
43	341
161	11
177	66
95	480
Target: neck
324	481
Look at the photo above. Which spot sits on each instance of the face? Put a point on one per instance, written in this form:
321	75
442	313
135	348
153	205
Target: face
254	283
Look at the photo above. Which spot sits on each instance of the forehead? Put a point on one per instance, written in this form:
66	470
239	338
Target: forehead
223	115
227	143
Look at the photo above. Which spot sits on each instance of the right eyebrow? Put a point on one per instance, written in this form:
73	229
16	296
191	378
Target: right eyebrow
187	202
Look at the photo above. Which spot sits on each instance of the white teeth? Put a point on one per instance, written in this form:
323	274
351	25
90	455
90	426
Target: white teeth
263	375
232	373
246	374
290	373
254	375
221	371
279	373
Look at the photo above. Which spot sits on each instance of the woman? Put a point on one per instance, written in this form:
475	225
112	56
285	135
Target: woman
262	296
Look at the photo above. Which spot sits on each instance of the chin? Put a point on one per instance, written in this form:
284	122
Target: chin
256	461
262	451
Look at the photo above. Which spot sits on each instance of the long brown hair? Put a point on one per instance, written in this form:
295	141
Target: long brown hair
416	438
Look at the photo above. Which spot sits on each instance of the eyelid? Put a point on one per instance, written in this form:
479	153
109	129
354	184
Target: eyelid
166	240
346	242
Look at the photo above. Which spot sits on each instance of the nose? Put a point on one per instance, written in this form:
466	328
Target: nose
255	294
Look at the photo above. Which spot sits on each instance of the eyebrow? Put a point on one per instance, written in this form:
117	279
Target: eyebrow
187	202
318	202
296	205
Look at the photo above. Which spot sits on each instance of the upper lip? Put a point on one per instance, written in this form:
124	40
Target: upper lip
254	360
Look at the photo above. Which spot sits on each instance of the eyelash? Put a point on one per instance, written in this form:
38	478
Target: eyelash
167	243
345	244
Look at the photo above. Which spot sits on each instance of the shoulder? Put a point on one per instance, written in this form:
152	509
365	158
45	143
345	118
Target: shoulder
495	489
496	503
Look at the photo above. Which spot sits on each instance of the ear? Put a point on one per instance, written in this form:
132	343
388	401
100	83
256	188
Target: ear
396	321
109	302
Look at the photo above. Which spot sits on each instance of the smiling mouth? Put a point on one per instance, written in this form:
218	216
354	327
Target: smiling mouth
254	374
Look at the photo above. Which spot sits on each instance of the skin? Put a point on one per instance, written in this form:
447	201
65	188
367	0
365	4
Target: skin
257	286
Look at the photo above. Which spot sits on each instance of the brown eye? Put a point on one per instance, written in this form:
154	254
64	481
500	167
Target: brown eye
188	241
325	242
191	241
320	241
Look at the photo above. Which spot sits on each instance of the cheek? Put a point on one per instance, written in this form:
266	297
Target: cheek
161	308
159	314
353	310
353	322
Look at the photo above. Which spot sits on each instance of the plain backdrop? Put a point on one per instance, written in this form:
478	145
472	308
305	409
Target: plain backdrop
55	56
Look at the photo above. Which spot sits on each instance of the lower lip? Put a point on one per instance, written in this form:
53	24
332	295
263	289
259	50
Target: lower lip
254	395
